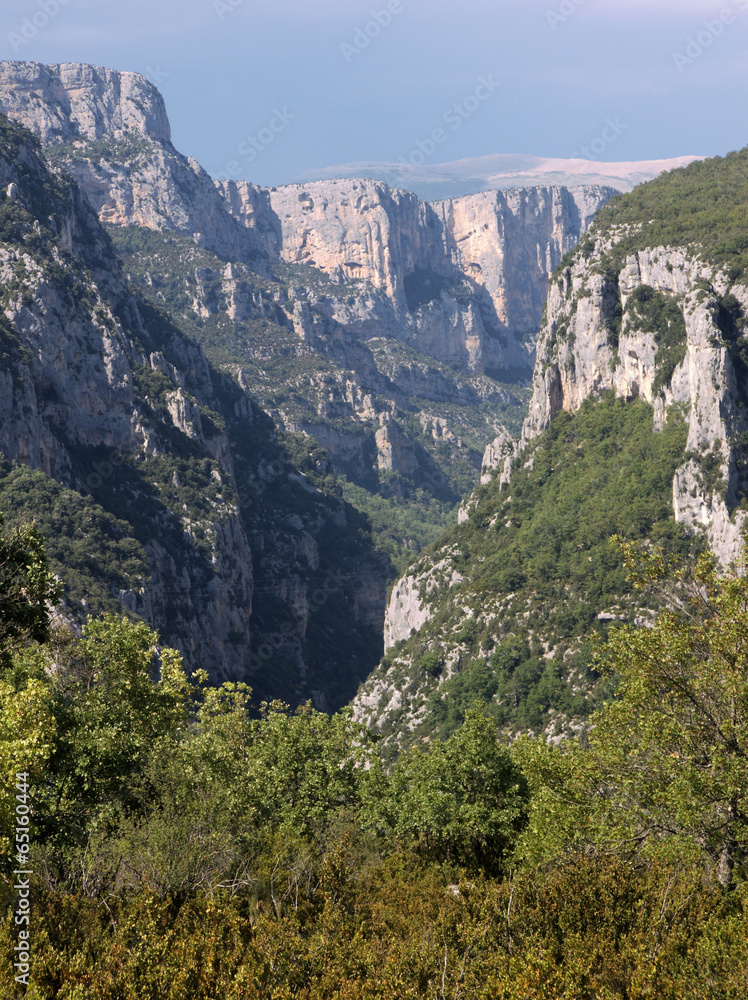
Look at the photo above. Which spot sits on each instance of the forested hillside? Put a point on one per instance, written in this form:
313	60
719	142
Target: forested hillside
182	848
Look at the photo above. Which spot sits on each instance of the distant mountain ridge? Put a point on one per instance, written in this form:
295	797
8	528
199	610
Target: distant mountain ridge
499	171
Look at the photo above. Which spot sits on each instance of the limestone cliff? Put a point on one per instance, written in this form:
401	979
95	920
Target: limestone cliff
461	280
111	131
408	608
70	393
583	352
509	242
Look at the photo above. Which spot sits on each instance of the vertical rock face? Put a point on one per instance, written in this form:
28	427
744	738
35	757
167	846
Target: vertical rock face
461	278
360	230
253	208
111	132
509	242
69	101
495	456
362	234
597	339
408	608
70	391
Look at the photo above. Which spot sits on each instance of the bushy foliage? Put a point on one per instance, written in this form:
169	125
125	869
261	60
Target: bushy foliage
653	312
703	206
589	928
187	847
663	769
90	550
27	588
462	800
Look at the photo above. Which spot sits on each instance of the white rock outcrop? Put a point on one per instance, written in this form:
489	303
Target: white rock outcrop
111	132
408	608
578	358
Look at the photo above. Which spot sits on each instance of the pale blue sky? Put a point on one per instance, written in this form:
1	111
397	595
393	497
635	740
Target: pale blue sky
268	91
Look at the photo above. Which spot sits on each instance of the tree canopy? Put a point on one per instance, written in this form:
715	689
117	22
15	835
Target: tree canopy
666	764
27	588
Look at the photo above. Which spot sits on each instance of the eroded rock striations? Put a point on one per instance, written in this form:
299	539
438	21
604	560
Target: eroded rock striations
464	279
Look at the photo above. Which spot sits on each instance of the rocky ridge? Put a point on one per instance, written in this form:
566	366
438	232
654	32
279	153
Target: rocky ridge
111	131
580	356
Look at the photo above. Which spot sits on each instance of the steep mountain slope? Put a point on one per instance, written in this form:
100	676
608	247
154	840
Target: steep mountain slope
161	486
397	334
637	425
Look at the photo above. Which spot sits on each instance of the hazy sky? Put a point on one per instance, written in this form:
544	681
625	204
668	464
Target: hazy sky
266	91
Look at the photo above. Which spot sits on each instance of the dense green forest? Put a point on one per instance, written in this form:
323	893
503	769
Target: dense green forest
187	843
536	570
703	206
